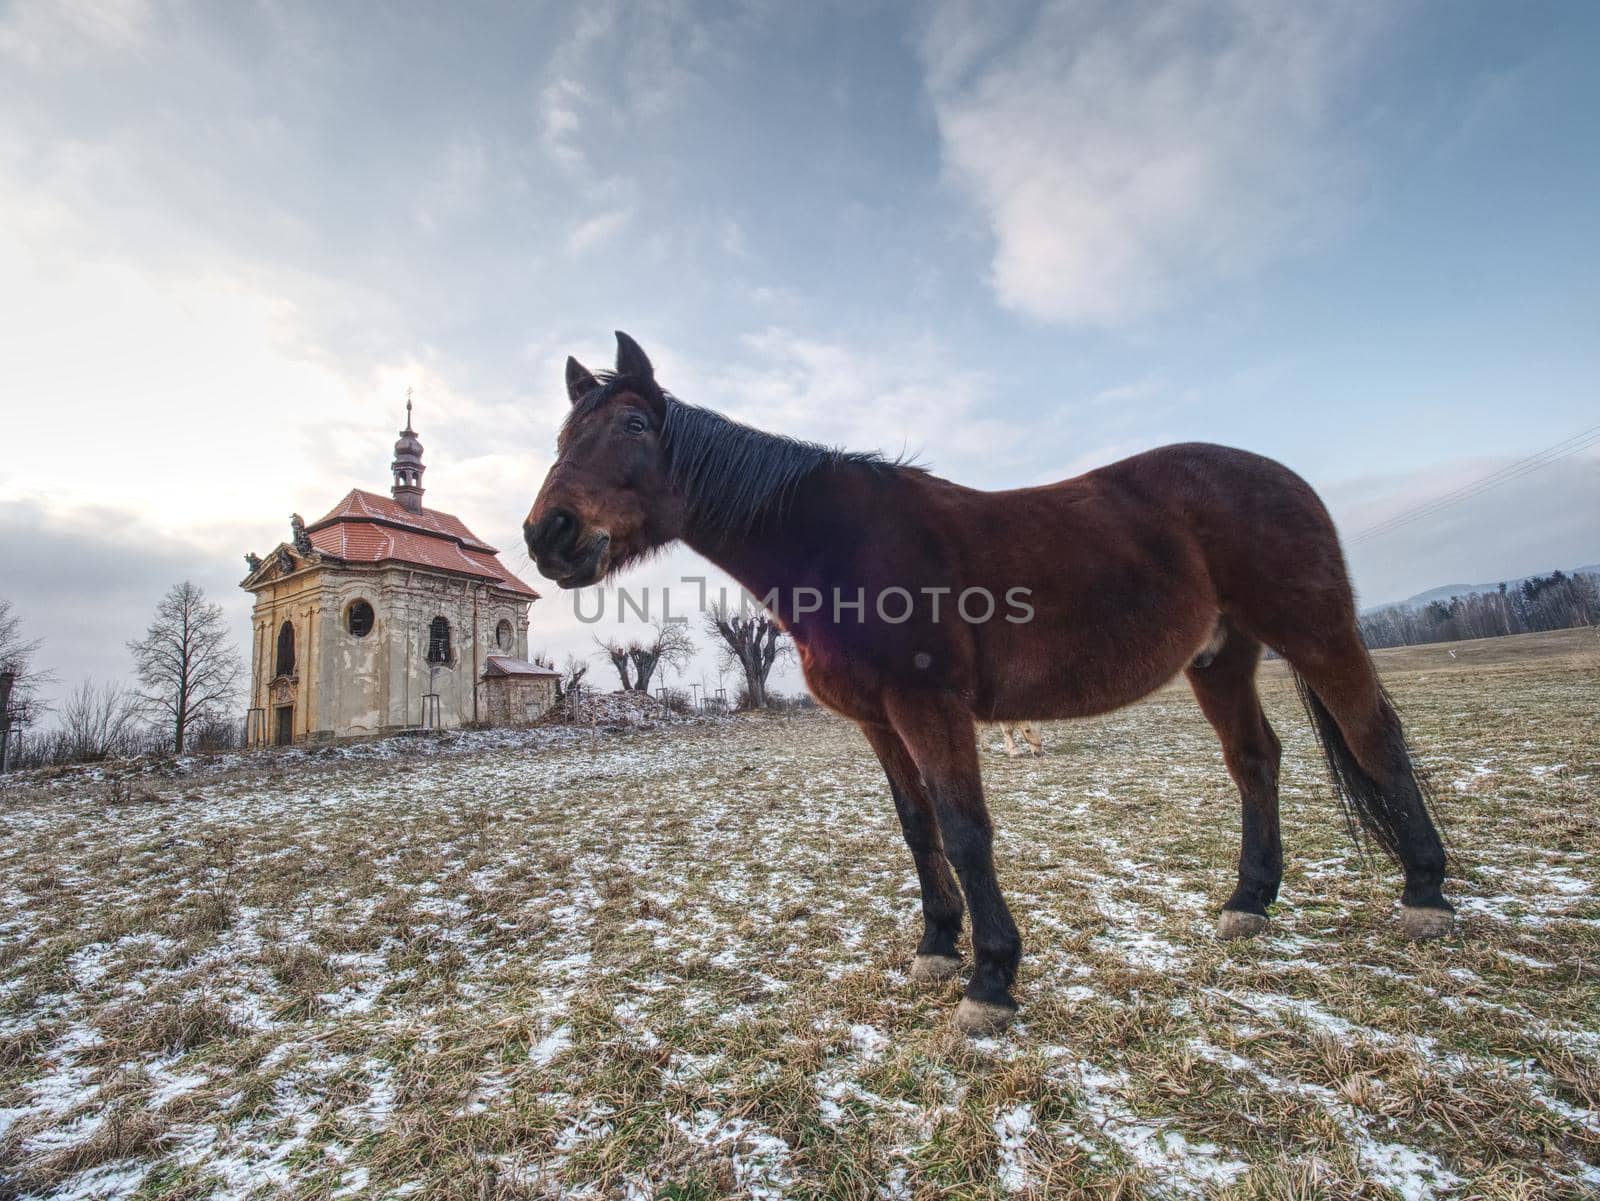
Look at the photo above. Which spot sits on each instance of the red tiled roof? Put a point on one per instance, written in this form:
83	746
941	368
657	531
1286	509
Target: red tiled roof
361	504
367	528
505	665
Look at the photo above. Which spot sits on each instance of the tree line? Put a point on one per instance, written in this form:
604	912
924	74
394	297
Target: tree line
188	673
751	643
1557	601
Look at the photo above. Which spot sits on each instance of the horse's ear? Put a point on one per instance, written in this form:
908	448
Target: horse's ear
631	361
579	381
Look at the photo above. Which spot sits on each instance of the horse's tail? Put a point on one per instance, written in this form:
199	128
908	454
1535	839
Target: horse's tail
1366	804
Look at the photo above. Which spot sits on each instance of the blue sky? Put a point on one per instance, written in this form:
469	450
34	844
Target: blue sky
1017	240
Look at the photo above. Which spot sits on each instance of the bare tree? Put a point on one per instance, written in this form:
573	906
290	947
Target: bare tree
99	722
753	642
19	679
569	680
618	654
16	657
185	663
671	643
636	662
570	685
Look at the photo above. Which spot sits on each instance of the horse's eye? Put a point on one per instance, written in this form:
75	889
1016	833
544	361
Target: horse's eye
635	424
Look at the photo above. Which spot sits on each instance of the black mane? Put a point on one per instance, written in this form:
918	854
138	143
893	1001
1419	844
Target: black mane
732	475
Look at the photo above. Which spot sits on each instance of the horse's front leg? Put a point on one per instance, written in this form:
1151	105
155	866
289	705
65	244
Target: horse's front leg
937	957
938	732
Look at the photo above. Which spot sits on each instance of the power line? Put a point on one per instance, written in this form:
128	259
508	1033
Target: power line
1535	460
1564	449
1478	488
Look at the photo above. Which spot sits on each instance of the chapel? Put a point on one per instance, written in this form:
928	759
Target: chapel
385	615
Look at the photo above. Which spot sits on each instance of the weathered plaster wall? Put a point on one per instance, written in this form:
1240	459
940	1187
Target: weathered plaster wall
347	685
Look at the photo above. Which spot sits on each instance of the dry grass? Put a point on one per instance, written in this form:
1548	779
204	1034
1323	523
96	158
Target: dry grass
673	964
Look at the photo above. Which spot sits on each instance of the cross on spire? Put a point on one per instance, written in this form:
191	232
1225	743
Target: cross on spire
408	411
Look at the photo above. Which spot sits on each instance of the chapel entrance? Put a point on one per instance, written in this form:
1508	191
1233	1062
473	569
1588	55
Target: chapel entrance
285	727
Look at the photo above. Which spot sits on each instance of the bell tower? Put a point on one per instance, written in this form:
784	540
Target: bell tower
407	465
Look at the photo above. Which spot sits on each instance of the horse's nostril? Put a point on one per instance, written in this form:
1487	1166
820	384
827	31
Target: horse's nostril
554	534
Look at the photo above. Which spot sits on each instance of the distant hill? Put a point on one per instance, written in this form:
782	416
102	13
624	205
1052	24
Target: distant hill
1446	591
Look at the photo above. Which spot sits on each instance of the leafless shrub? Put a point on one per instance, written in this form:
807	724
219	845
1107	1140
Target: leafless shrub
99	721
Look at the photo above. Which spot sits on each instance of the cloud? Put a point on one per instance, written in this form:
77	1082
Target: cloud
456	187
40	33
1125	154
597	230
566	110
863	397
560	123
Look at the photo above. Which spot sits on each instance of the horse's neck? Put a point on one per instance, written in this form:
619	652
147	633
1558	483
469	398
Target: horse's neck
770	558
783	549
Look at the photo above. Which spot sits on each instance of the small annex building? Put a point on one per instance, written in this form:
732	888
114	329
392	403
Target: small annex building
385	615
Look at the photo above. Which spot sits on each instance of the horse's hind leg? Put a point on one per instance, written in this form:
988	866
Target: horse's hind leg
1225	686
937	957
1366	750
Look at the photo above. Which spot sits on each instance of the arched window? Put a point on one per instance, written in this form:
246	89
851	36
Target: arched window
286	649
439	641
358	618
505	637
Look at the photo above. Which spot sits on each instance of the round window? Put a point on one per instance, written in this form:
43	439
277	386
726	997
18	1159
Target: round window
358	618
505	637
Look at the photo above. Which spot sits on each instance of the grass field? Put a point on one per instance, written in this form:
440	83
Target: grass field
672	964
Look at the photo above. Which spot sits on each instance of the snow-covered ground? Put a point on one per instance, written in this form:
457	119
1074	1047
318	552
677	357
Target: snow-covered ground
671	962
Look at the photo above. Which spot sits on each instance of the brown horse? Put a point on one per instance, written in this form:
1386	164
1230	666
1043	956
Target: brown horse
919	607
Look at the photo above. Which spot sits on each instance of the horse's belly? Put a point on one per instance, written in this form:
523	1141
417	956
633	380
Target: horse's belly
1065	697
1046	675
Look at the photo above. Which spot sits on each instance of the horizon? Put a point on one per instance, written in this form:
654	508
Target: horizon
1350	240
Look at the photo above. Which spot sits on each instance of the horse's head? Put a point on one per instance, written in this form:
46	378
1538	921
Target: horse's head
608	499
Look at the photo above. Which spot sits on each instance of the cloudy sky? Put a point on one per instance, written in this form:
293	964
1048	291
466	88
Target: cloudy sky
1019	240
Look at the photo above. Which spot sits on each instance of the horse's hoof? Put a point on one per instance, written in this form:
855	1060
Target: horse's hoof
980	1018
930	969
1236	923
1420	924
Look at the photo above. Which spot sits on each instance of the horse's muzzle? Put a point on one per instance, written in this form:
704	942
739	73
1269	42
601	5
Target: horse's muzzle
561	555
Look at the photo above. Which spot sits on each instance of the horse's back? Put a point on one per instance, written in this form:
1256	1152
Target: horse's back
1130	567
